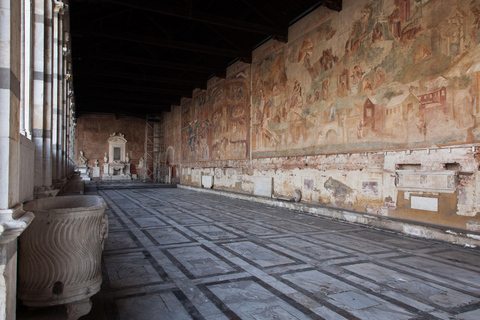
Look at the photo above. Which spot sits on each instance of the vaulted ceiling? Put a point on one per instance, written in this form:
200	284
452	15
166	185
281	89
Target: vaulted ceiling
138	57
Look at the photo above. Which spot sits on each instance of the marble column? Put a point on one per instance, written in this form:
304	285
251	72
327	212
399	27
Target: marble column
55	118
13	219
59	164
38	89
47	110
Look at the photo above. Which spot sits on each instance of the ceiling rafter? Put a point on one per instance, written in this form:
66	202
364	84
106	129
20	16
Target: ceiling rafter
162	64
183	93
152	53
187	46
203	17
170	80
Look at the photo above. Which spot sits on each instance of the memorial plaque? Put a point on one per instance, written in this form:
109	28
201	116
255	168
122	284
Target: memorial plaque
427	181
96	172
424	203
263	186
207	182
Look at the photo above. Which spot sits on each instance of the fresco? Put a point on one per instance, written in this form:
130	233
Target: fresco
398	74
215	123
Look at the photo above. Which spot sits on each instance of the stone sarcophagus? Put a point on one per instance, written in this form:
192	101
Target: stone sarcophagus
427	181
60	253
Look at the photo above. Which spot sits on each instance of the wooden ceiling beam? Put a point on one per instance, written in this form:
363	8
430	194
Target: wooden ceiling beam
132	88
162	64
185	46
185	13
175	81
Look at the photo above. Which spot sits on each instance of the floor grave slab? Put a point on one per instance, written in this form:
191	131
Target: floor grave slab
291	226
119	241
197	261
457	256
441	269
167	236
250	300
165	305
187	219
218	216
350	243
213	232
321	222
258	255
140	212
115	224
253	228
345	298
412	286
130	269
181	254
148	222
396	241
313	250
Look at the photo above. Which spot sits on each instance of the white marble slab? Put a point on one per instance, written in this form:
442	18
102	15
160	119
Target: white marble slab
207	182
96	172
424	203
263	186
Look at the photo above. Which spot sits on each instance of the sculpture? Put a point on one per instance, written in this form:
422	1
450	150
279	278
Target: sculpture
141	163
82	161
127	158
96	163
105	159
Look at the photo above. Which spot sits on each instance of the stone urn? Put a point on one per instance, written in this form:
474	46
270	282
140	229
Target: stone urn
60	253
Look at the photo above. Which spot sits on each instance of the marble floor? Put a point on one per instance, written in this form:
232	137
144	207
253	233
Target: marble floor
181	254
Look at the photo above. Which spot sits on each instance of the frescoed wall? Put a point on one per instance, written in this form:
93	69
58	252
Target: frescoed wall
378	75
374	108
215	122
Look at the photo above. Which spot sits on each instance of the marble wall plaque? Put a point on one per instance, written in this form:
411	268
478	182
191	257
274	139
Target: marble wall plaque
263	186
207	182
427	181
424	203
96	172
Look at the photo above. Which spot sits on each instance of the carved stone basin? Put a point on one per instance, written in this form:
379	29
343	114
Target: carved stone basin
59	256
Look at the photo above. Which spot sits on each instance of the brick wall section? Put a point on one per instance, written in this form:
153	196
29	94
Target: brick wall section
93	132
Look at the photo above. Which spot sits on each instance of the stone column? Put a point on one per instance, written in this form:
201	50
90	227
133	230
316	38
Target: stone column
60	173
13	219
47	110
55	118
38	89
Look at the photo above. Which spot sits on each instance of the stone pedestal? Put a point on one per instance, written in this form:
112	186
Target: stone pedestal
116	170
95	172
84	173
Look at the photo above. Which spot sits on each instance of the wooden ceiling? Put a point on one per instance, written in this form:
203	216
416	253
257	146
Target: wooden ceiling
138	57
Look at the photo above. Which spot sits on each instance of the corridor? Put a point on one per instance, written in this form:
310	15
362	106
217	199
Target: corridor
181	254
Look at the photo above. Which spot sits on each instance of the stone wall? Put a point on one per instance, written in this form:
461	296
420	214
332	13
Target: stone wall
93	132
374	108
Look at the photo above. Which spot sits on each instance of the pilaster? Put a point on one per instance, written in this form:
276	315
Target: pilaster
13	220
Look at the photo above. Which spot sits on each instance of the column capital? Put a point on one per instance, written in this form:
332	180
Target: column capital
59	7
13	222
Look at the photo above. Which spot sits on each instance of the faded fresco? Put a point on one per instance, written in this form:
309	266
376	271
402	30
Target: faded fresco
215	123
389	74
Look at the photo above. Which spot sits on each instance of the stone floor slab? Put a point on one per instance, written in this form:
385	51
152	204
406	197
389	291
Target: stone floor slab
182	254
